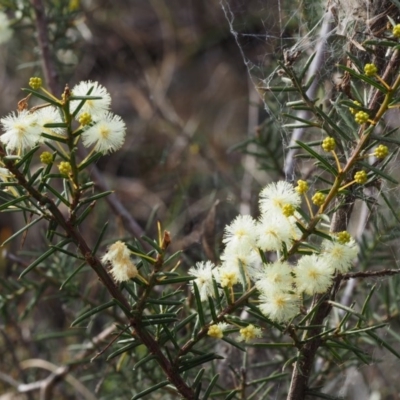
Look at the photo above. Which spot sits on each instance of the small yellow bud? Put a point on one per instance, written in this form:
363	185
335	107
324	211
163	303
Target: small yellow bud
343	237
396	31
35	83
360	177
228	278
302	187
85	119
288	210
381	152
74	5
361	117
215	331
64	167
46	158
354	110
329	144
370	69
249	332
318	199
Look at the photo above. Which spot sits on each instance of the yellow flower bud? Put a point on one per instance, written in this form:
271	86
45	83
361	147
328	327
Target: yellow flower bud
215	331
302	187
64	167
318	199
343	237
329	144
396	31
249	332
85	119
360	177
46	158
370	69
35	83
361	117
288	210
381	152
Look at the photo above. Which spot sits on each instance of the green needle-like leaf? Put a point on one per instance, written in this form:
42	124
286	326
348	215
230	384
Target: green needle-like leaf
93	311
150	390
210	386
44	256
318	157
42	96
199	304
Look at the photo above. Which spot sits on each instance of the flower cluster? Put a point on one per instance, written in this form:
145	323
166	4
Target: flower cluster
89	105
280	284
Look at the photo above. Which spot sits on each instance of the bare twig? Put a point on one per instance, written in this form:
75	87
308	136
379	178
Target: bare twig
62	372
371	274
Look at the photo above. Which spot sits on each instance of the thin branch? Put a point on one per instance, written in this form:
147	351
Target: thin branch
59	373
371	274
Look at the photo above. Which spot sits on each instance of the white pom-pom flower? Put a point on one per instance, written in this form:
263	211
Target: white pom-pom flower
228	275
21	131
49	115
279	305
312	275
275	196
241	233
272	231
238	259
339	256
122	267
96	108
276	275
204	272
108	134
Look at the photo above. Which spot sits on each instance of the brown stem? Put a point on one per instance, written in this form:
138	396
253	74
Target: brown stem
306	355
371	274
